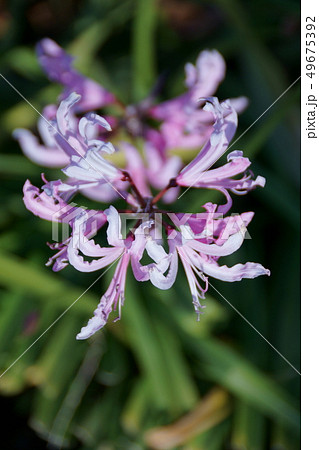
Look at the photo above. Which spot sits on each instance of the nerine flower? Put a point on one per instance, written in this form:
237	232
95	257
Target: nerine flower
198	241
78	145
181	120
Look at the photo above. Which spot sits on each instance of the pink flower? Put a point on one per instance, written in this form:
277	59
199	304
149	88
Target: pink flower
198	173
79	145
199	254
48	154
184	123
58	65
50	206
123	250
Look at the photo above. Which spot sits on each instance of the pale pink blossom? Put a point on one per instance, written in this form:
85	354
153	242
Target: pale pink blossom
197	240
168	238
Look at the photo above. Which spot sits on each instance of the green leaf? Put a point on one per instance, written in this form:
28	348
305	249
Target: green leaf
15	272
23	61
219	363
87	43
279	196
73	397
17	165
260	133
144	47
100	418
56	366
136	406
260	61
158	354
249	428
184	392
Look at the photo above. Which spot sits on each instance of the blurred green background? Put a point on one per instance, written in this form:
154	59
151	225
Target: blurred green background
157	379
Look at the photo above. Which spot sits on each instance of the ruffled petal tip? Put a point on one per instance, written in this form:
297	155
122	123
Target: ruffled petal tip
260	181
94	325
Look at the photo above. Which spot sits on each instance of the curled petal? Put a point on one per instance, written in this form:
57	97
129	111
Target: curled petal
211	226
140	272
232	244
221	229
77	261
94	324
225	207
44	156
156	252
63	116
237	272
114	231
92	167
50	206
204	78
84	226
42	205
140	243
88	130
91	120
64	127
220	176
100	146
89	248
224	273
44	125
223	131
113	297
244	185
157	276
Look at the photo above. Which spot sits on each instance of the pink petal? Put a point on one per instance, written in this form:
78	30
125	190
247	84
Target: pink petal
58	66
204	78
223	131
135	167
239	104
39	154
232	244
157	276
113	297
160	169
42	205
224	273
220	175
114	231
77	261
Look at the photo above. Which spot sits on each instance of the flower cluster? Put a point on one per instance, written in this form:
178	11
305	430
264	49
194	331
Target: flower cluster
75	138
